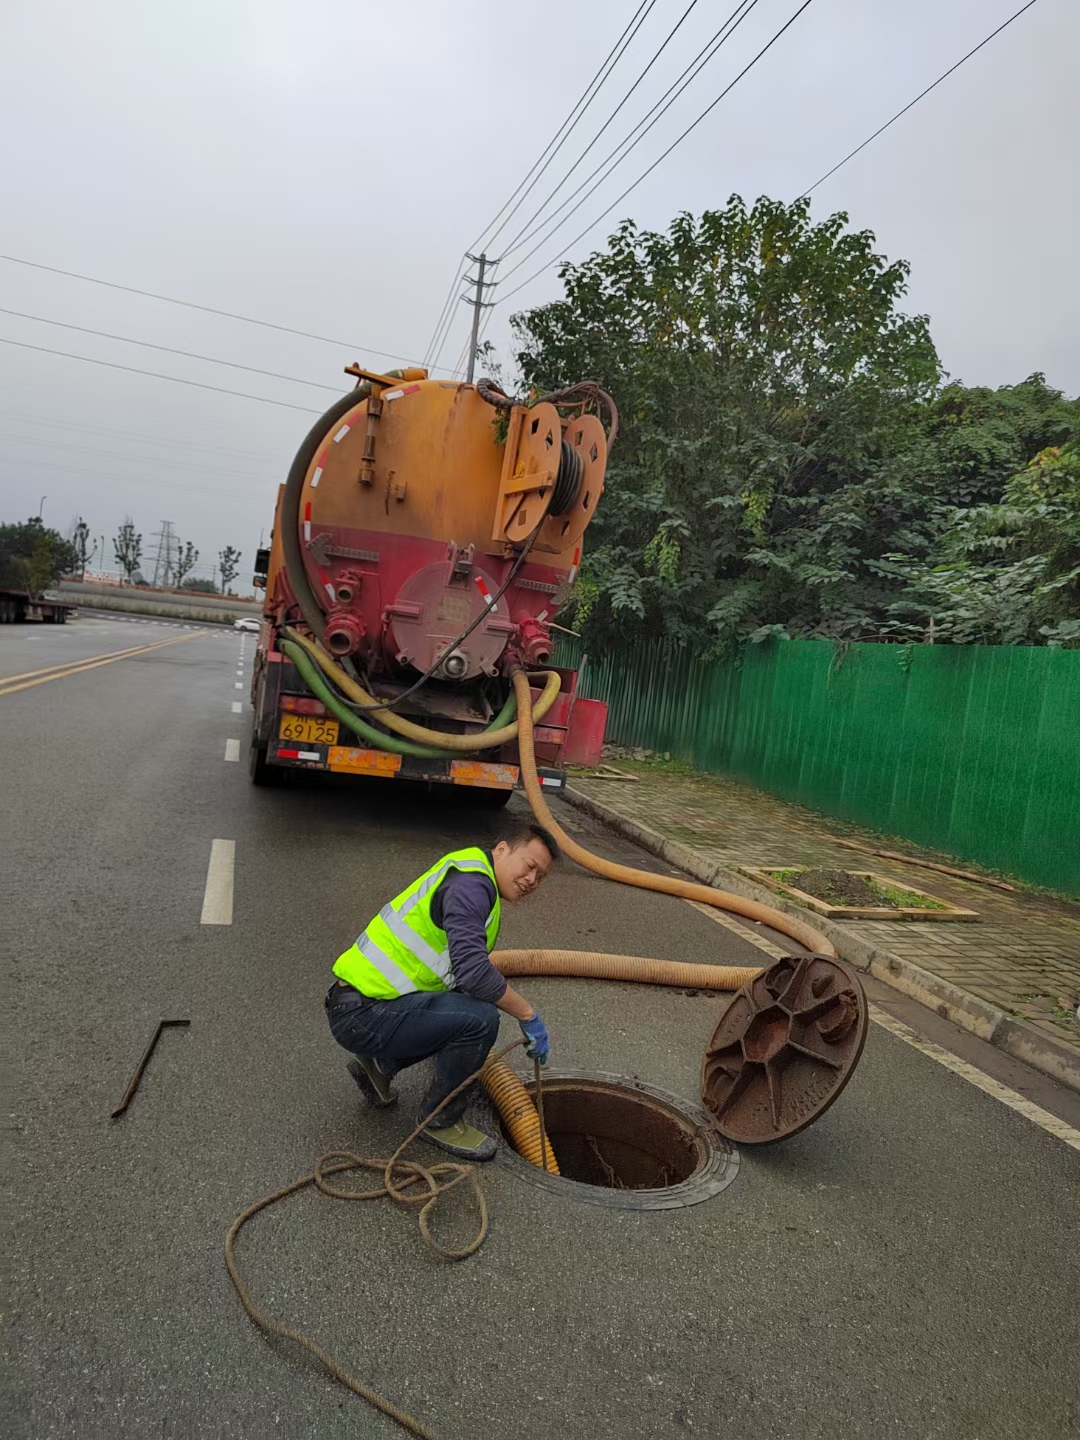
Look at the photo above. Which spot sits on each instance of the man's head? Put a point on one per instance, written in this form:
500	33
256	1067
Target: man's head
522	858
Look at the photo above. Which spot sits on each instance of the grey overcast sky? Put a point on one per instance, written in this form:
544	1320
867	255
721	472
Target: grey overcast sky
323	165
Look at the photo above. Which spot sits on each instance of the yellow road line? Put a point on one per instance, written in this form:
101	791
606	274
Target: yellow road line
71	664
77	667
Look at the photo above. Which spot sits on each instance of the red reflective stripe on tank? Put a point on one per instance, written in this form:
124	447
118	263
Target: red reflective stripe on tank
408	389
484	591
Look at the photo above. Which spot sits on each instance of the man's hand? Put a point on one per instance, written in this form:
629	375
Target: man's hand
535	1032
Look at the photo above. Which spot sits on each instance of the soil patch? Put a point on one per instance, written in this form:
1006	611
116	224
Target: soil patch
839	887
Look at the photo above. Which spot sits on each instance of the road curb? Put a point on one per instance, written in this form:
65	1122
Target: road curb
1056	1058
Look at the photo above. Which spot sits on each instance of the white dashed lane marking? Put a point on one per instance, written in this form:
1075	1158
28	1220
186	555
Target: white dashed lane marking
217	907
236	707
232	749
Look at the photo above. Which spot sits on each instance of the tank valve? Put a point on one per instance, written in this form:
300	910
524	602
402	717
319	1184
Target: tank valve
533	642
454	664
344	632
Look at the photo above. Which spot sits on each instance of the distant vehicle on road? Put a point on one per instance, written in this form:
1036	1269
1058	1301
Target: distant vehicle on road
247	622
19	605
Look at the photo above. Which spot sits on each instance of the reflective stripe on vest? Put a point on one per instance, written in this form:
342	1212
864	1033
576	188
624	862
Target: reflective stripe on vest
402	950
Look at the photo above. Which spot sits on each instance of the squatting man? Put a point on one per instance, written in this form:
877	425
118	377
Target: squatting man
418	983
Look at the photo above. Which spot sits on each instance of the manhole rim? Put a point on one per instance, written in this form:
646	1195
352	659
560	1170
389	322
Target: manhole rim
717	1172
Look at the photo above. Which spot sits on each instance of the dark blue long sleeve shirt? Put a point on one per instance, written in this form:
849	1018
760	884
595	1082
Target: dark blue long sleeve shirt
461	906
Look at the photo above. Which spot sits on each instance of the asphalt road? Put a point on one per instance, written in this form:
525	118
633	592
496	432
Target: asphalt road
908	1267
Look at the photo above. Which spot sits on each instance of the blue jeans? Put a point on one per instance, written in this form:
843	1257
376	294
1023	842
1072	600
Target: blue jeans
455	1028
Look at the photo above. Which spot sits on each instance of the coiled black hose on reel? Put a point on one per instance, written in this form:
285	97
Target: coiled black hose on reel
568	481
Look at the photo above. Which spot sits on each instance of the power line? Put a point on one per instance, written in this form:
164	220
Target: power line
513	243
621	47
208	309
156	375
448	311
168	442
678	141
577	110
446	305
631	141
912	103
170	350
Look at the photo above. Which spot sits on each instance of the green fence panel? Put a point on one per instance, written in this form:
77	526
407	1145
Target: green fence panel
974	750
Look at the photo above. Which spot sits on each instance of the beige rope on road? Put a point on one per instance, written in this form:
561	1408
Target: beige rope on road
399	1177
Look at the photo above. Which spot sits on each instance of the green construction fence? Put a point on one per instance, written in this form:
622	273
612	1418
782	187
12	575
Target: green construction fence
974	750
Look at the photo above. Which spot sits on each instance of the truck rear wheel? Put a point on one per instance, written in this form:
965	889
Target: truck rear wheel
486	799
259	770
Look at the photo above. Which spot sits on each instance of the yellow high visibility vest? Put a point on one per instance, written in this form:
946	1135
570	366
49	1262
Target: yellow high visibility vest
402	949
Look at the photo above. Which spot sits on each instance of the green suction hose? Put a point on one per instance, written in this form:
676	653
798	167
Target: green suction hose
377	739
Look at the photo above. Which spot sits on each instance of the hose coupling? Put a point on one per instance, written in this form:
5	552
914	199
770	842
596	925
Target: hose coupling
344	633
533	642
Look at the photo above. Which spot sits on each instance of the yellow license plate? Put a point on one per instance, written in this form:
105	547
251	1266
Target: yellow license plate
309	729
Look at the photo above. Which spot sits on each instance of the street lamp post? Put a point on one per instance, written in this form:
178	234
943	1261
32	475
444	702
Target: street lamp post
41	506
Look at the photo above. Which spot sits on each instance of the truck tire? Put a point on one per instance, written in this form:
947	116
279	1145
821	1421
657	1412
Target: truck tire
487	799
259	771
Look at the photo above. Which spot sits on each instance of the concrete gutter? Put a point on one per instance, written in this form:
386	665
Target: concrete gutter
1056	1058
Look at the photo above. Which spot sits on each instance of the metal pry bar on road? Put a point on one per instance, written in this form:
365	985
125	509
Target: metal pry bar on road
133	1083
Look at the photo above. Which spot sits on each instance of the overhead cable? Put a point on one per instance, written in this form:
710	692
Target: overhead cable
564	131
156	375
172	350
911	103
208	309
631	141
512	244
659	160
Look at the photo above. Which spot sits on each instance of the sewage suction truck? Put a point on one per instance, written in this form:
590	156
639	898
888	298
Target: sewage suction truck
427	534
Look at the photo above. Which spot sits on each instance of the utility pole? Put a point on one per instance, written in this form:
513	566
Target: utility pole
477	302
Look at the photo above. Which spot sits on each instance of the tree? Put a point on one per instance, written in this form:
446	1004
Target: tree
771	398
127	547
186	558
203	587
33	557
80	543
788	460
1006	573
229	561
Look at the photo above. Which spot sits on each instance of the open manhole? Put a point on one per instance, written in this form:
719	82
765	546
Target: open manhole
783	1050
625	1144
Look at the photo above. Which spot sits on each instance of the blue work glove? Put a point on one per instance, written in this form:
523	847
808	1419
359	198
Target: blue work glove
535	1032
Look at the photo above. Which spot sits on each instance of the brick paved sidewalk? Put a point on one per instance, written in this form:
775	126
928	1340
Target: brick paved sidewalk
1022	956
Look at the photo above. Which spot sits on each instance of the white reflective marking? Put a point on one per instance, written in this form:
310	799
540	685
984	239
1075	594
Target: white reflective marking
232	749
389	969
341	434
316	477
986	1083
217	907
236	707
308	755
393	394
